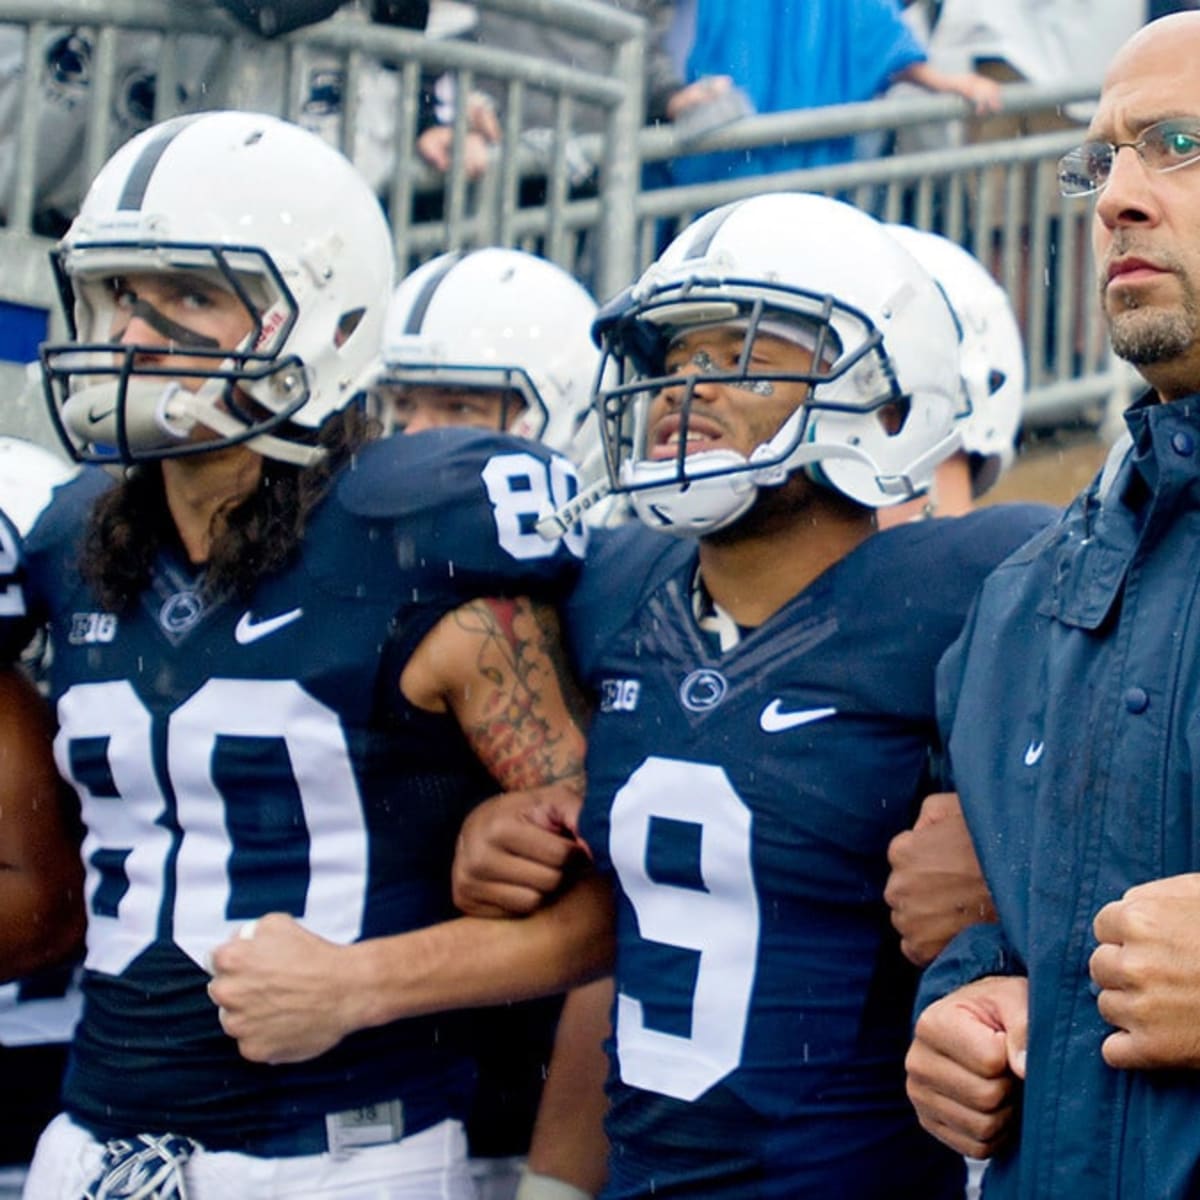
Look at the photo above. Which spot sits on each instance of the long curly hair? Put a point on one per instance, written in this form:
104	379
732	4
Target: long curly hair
130	523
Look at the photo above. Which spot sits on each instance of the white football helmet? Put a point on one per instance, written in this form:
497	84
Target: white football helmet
28	474
881	334
505	320
259	207
992	354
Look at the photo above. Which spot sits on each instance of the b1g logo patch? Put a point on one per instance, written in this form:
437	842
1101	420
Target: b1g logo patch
619	695
92	628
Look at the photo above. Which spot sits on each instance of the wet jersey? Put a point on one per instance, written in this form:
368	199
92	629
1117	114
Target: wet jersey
12	596
241	757
744	800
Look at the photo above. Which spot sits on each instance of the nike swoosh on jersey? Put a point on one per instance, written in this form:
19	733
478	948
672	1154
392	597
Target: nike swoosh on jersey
774	720
249	630
1033	753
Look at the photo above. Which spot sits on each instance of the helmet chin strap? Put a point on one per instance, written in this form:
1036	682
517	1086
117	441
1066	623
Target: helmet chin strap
740	486
203	410
551	526
161	413
153	416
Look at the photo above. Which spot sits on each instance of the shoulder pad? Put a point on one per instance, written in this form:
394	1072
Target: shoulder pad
407	473
1000	533
461	506
624	565
939	565
29	474
68	509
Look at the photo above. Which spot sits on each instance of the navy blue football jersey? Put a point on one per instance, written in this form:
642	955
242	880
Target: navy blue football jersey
236	758
12	597
744	800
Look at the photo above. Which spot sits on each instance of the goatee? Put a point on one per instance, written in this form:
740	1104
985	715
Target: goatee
1144	336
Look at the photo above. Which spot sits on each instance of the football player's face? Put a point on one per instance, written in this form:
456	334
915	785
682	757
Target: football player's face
736	415
174	312
418	407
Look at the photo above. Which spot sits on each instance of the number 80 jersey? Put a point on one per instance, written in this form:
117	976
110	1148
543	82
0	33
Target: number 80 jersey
244	756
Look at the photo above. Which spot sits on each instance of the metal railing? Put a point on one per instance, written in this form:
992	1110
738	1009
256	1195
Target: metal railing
999	198
356	83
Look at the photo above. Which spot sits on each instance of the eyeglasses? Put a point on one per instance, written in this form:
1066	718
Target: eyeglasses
1166	146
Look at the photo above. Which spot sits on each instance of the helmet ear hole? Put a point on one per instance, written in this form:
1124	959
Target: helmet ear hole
893	417
347	324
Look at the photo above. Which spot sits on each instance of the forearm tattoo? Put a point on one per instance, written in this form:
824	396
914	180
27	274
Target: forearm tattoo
527	726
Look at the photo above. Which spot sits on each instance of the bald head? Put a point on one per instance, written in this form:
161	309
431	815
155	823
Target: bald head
1172	34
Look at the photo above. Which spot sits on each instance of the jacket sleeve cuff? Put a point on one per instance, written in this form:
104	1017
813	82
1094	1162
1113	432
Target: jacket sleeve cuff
975	953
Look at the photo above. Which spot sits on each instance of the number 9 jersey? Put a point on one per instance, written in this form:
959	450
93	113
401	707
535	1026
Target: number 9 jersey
237	757
742	791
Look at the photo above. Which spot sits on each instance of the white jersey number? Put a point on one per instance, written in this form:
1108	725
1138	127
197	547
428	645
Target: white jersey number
720	921
522	488
104	747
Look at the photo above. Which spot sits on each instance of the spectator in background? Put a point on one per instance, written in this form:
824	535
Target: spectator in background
64	67
1032	41
270	19
667	97
1163	8
1048	42
797	54
65	83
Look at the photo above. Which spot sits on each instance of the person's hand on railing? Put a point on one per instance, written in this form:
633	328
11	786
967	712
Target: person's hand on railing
983	94
436	144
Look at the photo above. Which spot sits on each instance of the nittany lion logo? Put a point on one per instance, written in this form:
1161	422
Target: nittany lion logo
703	690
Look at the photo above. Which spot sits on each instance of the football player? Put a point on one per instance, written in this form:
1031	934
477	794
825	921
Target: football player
40	894
992	366
498	339
764	691
38	1010
286	659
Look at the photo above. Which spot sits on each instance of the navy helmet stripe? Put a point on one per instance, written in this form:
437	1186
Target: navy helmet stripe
709	229
423	301
134	191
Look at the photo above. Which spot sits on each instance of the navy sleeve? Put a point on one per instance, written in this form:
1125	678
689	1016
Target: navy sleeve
975	953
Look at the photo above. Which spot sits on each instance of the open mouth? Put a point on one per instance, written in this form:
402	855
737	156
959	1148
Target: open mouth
670	431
